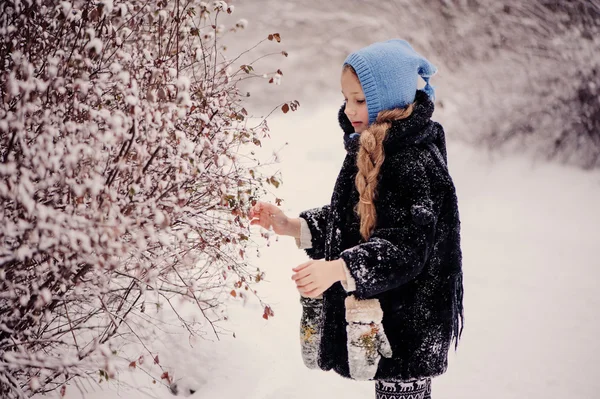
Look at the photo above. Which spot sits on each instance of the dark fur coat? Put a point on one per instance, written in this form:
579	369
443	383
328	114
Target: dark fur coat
411	263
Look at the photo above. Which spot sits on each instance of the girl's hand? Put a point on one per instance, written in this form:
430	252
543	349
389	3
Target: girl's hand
268	215
315	277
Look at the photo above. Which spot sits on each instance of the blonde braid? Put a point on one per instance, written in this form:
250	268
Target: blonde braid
370	158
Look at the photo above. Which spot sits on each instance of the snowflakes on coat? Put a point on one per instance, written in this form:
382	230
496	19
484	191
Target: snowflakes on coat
411	263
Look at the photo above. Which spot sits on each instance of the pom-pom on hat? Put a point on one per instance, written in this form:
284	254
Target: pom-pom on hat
388	73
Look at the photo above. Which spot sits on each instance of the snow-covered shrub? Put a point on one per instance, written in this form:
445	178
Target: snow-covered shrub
126	174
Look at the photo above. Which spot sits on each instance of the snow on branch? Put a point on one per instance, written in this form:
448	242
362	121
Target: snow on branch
126	175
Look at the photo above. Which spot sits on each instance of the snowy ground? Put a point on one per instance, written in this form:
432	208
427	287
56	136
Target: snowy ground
530	243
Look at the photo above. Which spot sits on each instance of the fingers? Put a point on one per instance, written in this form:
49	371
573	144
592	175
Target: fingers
301	274
312	290
314	293
263	214
302	266
260	222
264	208
302	282
259	216
256	209
311	286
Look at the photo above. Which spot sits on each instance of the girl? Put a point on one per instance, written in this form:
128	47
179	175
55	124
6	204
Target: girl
382	295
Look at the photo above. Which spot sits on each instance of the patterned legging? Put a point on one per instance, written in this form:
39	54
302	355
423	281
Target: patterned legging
418	389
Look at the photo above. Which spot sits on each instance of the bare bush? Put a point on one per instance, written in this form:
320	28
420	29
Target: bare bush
126	173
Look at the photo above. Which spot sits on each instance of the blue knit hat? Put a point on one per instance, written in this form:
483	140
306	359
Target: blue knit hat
388	73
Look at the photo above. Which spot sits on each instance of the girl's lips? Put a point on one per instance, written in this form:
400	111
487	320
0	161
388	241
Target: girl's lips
356	123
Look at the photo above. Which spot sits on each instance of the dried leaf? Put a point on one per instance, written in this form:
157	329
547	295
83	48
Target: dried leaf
285	53
268	313
285	108
233	293
132	365
247	68
165	376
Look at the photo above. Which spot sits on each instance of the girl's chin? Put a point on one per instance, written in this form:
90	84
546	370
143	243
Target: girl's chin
359	127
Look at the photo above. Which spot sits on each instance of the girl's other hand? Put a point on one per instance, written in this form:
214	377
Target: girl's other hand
270	216
313	278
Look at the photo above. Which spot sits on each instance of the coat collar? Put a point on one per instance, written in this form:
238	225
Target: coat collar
416	129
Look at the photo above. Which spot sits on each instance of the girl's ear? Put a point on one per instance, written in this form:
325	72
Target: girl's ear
345	123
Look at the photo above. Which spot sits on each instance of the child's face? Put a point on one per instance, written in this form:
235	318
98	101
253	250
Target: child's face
356	104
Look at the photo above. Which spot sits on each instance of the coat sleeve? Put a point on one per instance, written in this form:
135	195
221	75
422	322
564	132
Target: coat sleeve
304	241
316	219
398	248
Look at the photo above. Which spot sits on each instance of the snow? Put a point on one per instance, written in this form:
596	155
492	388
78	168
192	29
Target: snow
46	295
220	5
531	270
277	79
242	23
108	6
183	83
95	44
66	7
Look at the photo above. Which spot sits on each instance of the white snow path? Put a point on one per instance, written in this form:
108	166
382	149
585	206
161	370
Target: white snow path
531	265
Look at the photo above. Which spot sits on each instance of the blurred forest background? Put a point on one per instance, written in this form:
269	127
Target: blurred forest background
515	75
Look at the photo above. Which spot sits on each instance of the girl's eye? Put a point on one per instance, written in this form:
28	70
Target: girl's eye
360	101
